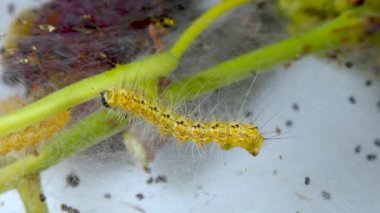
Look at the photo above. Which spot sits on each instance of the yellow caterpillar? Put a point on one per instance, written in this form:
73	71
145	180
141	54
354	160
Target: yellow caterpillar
33	135
227	134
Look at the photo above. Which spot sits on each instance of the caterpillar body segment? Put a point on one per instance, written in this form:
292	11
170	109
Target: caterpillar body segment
33	135
227	134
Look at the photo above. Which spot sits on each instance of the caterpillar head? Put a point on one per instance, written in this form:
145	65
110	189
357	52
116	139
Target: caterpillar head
108	98
255	140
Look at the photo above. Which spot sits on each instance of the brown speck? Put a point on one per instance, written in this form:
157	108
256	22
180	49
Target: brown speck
289	123
64	207
352	99
358	148
349	64
147	170
107	196
333	55
150	180
164	83
68	209
278	131
307	180
42	197
140	196
287	65
326	195
161	179
371	157
73	180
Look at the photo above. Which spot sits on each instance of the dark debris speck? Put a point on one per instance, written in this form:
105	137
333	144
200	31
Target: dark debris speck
326	195
371	157
295	107
161	179
307	180
107	196
289	123
68	209
148	170
248	114
73	180
349	64
352	99
150	180
64	207
42	197
368	82
377	142
358	149
140	196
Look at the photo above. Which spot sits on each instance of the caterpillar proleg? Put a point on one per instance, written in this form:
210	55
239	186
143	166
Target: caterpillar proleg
226	134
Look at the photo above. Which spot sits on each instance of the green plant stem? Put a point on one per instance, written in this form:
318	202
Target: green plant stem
202	23
151	67
100	125
346	30
30	192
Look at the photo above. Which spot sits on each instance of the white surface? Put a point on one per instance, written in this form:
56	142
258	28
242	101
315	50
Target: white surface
321	145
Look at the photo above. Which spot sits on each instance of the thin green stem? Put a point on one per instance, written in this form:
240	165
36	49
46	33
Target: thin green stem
346	30
201	24
31	195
